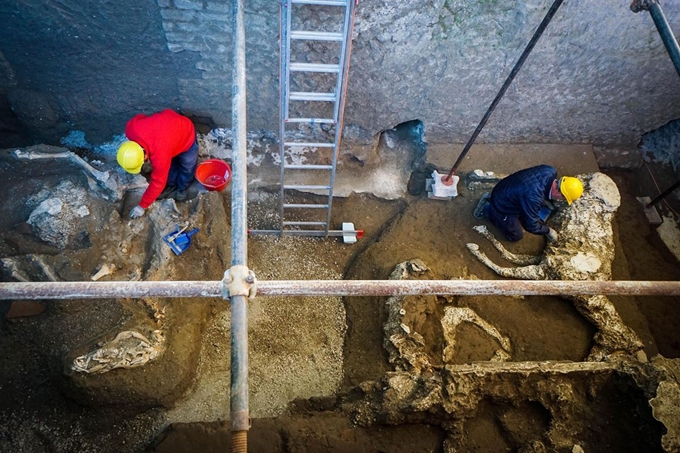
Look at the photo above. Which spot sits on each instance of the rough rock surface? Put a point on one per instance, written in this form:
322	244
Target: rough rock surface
157	372
549	395
554	400
599	74
89	236
57	218
665	406
584	250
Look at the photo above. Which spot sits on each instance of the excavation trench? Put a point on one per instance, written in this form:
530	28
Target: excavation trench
320	375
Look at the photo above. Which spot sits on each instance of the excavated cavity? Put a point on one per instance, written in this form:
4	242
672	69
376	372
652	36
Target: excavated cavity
426	332
522	406
453	356
534	407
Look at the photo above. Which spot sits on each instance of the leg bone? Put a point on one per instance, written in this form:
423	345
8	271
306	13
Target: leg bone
522	260
532	272
612	335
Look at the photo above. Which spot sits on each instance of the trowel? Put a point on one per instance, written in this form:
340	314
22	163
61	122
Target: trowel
180	239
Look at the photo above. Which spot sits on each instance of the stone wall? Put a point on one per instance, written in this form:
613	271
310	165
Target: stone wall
599	74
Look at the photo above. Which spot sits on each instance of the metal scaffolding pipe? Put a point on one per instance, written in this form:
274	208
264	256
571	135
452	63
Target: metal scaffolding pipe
190	289
662	26
239	412
239	231
515	70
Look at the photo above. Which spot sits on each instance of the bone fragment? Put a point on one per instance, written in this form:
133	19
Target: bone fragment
454	316
481	185
47	270
135	275
522	260
11	266
129	349
105	269
19	276
480	175
100	176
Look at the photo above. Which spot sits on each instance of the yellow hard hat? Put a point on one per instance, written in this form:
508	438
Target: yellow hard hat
571	188
131	157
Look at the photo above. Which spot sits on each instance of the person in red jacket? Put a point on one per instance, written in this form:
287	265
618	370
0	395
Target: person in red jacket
168	141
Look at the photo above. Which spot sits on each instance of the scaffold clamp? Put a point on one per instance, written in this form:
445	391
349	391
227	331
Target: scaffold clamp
239	281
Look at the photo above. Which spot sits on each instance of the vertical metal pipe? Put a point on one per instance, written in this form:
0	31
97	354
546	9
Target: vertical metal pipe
527	50
239	246
666	34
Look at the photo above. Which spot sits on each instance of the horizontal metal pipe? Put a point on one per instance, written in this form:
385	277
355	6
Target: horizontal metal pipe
186	289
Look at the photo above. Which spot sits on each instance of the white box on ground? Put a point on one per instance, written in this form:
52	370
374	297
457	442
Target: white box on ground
349	235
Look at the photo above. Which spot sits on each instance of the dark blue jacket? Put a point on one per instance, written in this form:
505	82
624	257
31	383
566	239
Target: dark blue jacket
522	194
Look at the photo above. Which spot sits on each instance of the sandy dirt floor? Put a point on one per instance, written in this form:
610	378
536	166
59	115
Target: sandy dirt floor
313	350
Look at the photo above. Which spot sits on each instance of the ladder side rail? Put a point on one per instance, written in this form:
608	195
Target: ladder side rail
284	80
346	42
344	76
286	71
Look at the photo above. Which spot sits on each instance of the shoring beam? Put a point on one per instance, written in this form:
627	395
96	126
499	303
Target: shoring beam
662	27
515	70
239	412
211	289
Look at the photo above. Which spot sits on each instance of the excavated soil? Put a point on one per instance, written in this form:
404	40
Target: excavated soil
40	410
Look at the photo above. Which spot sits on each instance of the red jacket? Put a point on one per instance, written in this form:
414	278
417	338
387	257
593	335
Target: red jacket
163	136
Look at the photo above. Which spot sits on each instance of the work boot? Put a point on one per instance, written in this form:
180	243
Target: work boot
181	195
167	192
482	206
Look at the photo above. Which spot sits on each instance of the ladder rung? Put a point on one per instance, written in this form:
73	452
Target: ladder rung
310	144
310	96
314	67
319	233
305	187
305	206
305	232
321	2
307	167
315	35
310	120
305	223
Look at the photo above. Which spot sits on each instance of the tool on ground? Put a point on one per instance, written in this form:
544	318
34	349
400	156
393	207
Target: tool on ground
446	184
180	239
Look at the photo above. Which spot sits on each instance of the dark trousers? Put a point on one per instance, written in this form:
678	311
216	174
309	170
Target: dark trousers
508	224
182	168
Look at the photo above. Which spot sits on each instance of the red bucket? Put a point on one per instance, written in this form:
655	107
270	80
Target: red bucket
214	174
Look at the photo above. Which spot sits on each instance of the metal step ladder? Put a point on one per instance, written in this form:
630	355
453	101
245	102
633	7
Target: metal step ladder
312	105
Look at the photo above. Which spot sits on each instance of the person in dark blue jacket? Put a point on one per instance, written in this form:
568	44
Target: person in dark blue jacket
517	200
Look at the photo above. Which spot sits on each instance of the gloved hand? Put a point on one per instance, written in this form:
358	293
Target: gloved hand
137	211
552	235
